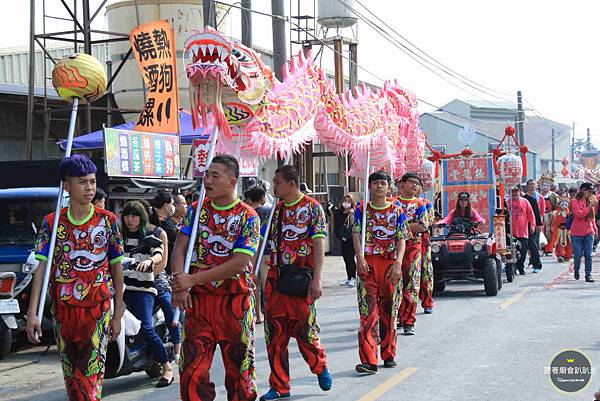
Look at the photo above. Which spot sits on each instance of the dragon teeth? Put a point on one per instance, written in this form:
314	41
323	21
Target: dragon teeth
211	48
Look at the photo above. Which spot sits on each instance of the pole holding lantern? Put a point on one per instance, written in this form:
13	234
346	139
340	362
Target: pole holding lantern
78	78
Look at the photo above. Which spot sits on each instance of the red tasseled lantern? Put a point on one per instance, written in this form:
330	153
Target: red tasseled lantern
511	169
524	149
565	171
564	161
509	130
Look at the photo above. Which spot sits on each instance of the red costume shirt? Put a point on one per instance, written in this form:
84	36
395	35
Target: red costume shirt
301	222
385	227
84	251
416	211
223	231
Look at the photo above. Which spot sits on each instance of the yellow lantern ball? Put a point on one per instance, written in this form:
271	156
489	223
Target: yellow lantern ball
79	75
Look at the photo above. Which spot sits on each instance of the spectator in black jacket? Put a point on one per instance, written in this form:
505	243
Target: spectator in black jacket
534	240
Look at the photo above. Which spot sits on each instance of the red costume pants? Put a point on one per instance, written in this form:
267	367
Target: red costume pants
378	300
82	337
563	244
411	278
287	317
226	320
426	290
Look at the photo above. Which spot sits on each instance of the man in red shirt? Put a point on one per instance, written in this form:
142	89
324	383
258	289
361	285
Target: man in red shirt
418	222
85	275
220	307
380	274
298	232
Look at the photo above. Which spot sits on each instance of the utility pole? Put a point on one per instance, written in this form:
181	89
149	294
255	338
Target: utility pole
553	152
353	75
588	145
247	23
30	97
573	147
279	41
521	118
339	88
209	15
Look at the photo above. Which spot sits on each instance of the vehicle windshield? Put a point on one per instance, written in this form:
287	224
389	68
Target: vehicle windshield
16	216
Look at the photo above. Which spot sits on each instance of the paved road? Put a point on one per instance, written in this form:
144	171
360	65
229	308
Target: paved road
473	347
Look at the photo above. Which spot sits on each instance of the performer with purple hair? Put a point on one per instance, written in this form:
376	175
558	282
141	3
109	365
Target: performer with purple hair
85	275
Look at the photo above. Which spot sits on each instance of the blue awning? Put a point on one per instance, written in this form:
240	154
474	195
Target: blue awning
95	140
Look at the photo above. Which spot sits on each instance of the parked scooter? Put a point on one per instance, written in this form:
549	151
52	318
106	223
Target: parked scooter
129	353
8	307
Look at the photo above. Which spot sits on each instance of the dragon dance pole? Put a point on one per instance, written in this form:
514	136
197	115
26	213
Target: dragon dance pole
263	244
192	243
363	231
42	303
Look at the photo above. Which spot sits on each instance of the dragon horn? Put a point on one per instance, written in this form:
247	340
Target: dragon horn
293	65
286	72
356	92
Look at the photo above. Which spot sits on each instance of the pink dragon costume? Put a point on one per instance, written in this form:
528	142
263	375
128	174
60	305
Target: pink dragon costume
261	117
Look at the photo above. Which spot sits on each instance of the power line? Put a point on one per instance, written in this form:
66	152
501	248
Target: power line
323	43
416	57
427	55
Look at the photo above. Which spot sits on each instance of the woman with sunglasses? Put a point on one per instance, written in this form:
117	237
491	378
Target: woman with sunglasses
463	210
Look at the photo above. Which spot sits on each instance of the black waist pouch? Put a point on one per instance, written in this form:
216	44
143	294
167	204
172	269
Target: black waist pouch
294	280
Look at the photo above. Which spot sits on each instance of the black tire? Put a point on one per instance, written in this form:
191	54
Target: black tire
490	277
5	340
510	272
499	272
153	370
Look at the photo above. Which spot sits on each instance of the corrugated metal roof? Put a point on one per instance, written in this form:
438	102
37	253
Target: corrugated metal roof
23	90
14	63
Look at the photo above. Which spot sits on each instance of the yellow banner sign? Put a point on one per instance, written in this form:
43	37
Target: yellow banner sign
154	49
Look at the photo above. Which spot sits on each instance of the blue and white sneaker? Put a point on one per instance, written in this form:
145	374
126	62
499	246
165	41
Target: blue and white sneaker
273	394
325	380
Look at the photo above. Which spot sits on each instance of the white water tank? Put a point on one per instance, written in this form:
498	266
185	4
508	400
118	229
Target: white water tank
184	15
336	13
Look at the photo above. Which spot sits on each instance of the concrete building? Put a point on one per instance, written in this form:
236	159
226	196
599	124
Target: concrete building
488	121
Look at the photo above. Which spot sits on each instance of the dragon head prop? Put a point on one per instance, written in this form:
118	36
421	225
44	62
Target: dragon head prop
226	78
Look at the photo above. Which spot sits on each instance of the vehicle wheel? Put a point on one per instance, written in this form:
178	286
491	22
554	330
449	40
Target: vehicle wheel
438	287
510	272
490	277
5	340
153	370
499	273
